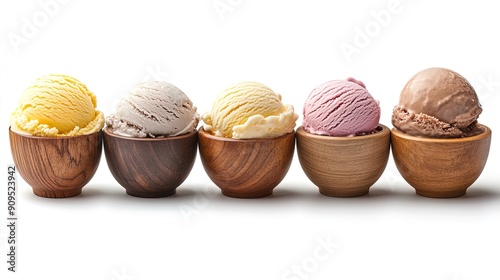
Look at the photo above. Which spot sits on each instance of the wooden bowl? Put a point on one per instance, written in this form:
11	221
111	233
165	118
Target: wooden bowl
56	167
249	168
150	167
440	167
343	166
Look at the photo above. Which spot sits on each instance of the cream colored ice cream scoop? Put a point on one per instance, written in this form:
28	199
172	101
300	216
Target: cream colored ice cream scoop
57	105
154	109
249	110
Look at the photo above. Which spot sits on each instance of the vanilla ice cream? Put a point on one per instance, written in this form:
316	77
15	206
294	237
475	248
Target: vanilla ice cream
249	110
57	105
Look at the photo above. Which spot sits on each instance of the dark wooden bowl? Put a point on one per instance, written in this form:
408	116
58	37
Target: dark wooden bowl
150	167
246	168
56	167
344	166
439	167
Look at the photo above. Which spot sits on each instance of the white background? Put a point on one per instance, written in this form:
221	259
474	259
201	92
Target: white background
292	46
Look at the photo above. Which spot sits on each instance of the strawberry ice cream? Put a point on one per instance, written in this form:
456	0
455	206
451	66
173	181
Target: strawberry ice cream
341	108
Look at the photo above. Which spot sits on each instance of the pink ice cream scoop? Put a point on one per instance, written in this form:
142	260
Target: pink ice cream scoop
341	108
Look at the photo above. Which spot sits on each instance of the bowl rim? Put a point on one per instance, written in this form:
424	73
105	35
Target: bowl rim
107	132
385	130
26	135
485	134
205	134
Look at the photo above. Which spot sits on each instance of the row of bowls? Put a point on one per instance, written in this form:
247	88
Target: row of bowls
339	166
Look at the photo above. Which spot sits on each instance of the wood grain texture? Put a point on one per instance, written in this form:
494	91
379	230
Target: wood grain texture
150	167
343	166
438	167
56	167
246	168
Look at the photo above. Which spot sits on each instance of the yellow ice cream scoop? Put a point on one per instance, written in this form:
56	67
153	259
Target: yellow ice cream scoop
249	110
57	105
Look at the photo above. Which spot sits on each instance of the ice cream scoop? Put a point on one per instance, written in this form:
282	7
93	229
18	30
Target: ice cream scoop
57	105
341	146
438	146
150	142
438	102
248	140
154	109
341	108
249	110
55	136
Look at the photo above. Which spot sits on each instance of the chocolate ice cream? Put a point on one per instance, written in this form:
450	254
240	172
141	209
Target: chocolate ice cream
440	103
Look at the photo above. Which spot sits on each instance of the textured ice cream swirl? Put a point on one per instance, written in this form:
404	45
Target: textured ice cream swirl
249	110
438	102
154	109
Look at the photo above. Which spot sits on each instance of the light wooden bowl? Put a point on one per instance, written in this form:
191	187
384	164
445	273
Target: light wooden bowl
56	167
246	168
440	167
343	166
150	167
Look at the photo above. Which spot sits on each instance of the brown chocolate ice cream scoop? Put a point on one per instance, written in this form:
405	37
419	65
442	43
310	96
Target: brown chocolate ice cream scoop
438	102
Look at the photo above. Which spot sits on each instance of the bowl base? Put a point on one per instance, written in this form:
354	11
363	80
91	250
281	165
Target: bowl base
343	192
449	194
57	194
156	194
246	195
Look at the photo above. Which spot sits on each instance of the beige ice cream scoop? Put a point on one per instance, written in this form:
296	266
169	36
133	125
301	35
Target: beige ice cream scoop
249	110
154	109
438	102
